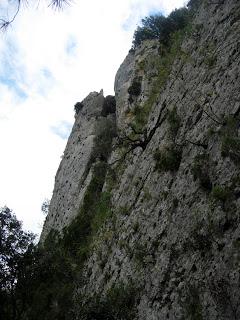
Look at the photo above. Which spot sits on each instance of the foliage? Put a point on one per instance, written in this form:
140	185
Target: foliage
15	247
50	287
194	4
103	212
109	106
140	252
220	193
77	236
163	64
167	159
45	206
135	88
174	121
160	27
17	5
193	305
60	261
210	60
200	171
118	303
230	139
105	130
78	107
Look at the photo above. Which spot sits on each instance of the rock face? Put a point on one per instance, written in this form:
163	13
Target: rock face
173	235
74	172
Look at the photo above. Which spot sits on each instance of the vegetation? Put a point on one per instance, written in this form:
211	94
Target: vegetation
104	132
135	88
45	287
220	193
78	235
168	159
49	273
200	171
49	288
109	106
118	303
16	247
193	305
163	65
45	206
230	139
160	27
174	121
18	4
78	107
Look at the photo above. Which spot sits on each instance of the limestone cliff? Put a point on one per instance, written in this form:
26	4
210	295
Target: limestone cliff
74	172
170	245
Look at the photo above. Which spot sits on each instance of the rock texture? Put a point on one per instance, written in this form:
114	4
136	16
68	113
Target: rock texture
74	175
174	233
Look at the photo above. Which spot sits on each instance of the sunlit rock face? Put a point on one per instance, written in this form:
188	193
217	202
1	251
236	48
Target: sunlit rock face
173	236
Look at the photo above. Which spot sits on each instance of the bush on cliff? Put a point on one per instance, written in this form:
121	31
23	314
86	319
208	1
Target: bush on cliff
160	27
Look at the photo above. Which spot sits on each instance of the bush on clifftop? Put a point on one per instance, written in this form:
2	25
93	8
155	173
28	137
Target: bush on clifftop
160	27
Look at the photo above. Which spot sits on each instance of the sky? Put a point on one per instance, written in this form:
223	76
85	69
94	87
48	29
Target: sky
49	60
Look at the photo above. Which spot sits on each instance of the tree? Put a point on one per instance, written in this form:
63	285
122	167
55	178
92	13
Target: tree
15	6
15	249
160	27
45	207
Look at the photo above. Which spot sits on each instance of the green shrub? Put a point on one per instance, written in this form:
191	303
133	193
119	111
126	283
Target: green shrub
103	212
140	117
200	171
194	4
78	107
168	159
160	27
175	202
119	303
163	64
139	253
192	305
77	236
136	86
230	140
105	130
109	106
220	193
210	60
174	121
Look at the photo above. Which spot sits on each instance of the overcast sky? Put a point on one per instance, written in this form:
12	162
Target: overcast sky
48	61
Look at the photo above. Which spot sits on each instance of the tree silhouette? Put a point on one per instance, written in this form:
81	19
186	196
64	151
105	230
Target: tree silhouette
16	5
15	245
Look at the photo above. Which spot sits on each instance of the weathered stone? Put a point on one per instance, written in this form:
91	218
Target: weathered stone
176	241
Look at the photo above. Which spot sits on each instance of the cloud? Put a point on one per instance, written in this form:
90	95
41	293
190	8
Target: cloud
71	45
62	130
49	61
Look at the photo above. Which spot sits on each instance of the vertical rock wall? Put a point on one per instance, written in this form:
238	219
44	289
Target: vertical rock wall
74	174
175	228
172	240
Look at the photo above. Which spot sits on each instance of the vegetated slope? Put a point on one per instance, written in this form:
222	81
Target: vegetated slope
157	231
